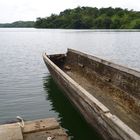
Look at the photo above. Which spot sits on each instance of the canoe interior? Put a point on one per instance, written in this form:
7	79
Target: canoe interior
117	87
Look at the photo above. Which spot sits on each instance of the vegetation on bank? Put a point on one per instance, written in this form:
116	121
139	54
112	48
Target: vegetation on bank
84	18
92	18
18	24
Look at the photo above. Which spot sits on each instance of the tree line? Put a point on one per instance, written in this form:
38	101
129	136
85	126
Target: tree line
18	24
91	18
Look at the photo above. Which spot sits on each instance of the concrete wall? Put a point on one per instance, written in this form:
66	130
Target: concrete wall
94	112
40	129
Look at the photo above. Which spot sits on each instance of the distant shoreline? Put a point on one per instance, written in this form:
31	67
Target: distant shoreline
91	18
84	18
18	24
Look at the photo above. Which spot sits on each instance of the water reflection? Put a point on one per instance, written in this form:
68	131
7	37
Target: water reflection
69	118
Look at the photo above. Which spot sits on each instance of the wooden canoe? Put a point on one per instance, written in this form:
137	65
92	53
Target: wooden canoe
106	94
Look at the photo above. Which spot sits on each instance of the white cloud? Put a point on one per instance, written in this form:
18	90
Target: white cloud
13	10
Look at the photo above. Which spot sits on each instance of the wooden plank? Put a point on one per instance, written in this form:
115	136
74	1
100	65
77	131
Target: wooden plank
40	125
55	134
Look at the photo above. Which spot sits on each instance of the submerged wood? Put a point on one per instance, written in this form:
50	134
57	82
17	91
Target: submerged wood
43	129
106	94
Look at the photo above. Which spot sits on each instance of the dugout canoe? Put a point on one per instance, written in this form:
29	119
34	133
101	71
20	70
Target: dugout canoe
106	94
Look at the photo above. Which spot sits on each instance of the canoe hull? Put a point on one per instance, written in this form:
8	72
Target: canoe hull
93	111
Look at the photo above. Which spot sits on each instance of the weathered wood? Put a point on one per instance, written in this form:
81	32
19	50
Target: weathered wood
91	97
40	125
33	130
55	134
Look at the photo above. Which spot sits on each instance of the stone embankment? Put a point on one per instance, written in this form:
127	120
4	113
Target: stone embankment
44	129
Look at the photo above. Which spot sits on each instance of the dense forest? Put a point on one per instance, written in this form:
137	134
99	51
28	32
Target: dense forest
21	24
92	18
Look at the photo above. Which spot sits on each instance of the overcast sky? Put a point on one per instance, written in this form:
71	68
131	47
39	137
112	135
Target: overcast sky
14	10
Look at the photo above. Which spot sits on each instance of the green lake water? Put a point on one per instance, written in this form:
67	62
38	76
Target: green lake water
26	86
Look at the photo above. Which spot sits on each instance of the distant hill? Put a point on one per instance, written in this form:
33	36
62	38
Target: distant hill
18	24
92	18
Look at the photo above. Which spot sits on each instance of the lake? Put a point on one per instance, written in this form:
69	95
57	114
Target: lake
26	86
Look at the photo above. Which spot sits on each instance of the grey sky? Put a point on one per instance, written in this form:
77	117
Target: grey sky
13	10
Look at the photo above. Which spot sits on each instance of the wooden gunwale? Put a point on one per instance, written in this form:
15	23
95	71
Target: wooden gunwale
109	119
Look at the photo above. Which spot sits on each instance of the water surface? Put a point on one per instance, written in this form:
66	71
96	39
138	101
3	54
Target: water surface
26	87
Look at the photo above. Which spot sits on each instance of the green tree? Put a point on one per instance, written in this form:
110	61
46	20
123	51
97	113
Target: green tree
89	18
